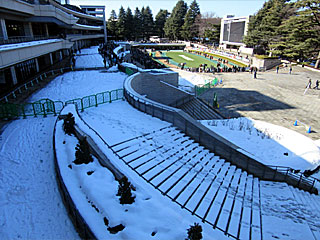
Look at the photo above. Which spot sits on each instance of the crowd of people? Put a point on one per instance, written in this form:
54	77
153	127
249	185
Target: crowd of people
109	57
212	69
144	59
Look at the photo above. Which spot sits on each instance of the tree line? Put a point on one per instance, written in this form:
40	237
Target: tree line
183	23
290	29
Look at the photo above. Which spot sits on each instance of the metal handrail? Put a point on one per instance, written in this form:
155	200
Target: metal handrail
31	83
292	172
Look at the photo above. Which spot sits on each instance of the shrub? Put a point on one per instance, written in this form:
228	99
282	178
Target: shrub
124	191
83	154
68	124
195	232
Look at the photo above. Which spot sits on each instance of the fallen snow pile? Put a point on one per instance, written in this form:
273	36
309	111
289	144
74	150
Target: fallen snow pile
270	144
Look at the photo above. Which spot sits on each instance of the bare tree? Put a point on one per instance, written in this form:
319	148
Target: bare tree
205	23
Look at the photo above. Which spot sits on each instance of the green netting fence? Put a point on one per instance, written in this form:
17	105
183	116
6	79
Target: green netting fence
202	89
46	107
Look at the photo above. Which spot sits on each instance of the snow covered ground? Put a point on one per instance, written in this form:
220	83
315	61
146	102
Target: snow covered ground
31	204
270	144
89	58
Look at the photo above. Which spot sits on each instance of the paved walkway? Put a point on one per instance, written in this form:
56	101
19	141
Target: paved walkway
275	98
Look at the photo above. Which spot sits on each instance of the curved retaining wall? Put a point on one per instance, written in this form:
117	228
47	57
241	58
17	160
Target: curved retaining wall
79	223
220	146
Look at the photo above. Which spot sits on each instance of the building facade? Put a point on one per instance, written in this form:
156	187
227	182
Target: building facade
233	29
36	34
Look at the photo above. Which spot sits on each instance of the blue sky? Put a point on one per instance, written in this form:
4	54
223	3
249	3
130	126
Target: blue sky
221	8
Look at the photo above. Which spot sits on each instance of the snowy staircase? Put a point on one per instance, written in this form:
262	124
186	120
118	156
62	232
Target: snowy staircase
199	110
310	209
210	188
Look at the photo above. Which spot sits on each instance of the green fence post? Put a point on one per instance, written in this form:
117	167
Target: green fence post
96	99
110	97
54	108
82	109
44	110
34	110
23	111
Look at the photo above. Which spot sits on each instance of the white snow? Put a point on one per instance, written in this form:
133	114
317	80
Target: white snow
268	143
89	58
31	206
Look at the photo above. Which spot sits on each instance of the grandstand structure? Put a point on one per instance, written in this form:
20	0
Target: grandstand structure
233	29
37	34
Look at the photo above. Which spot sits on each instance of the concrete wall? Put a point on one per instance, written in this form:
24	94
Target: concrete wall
265	63
51	11
13	56
19	6
154	87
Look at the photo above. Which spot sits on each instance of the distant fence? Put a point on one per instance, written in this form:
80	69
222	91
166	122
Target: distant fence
35	81
230	60
46	107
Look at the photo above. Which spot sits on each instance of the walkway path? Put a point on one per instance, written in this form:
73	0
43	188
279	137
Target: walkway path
275	98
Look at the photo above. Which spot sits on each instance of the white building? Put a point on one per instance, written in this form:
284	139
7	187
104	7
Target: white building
233	29
36	34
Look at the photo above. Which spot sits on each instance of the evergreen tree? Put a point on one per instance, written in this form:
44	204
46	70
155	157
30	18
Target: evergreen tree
160	21
137	21
148	24
124	191
262	29
83	155
121	23
175	21
189	31
128	34
112	23
300	33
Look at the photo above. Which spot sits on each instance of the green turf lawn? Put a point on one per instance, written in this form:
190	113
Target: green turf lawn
197	60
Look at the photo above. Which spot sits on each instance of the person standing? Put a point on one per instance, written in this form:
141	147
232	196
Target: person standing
290	69
277	68
309	84
317	85
255	73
